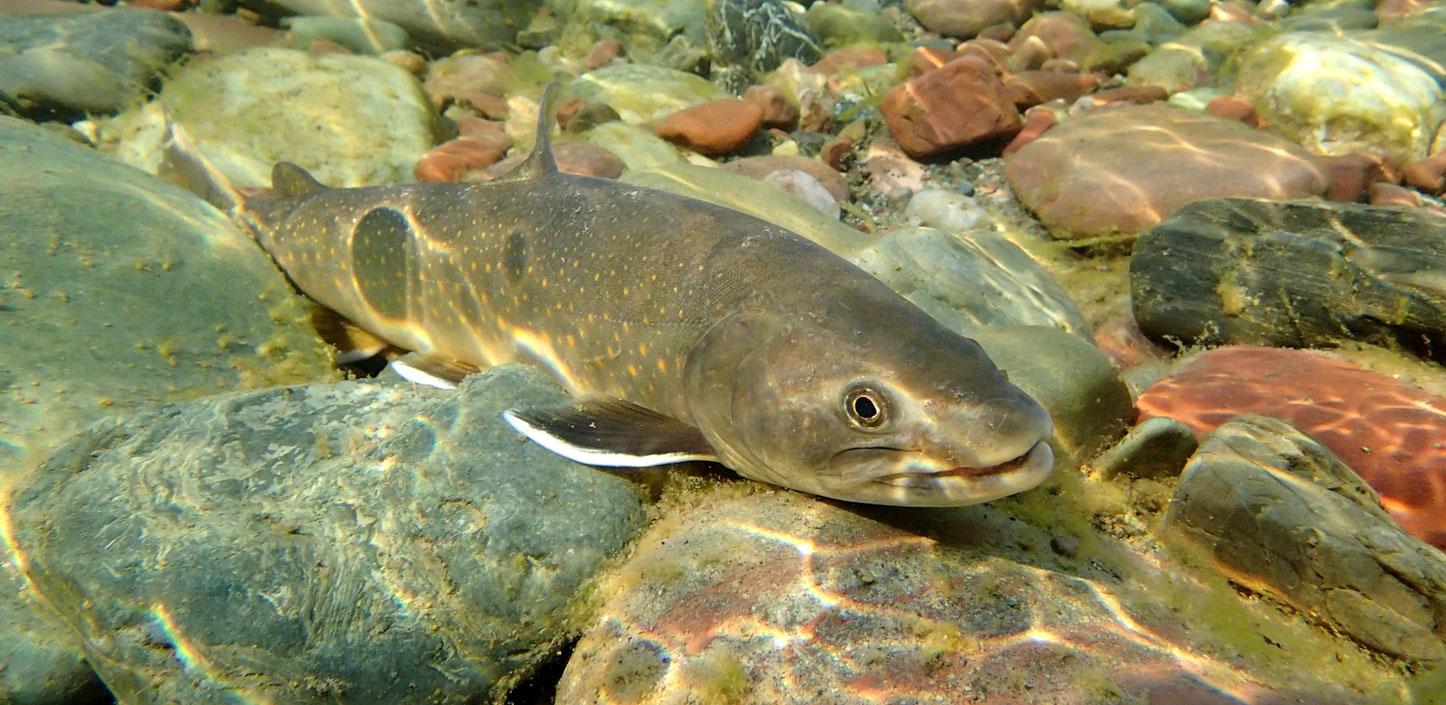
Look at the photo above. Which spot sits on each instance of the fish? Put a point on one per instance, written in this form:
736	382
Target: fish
681	330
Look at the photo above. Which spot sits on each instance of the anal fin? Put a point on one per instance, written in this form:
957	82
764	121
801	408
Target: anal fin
611	432
431	370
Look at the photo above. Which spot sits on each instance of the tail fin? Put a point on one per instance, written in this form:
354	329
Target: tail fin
184	164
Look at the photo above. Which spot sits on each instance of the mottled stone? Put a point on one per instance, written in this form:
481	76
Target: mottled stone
72	64
440	25
713	128
1282	515
1120	171
966	18
957	105
1337	95
1391	434
752	37
1296	274
385	541
1157	447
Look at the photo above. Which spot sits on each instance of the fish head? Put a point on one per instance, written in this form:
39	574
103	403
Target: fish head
910	415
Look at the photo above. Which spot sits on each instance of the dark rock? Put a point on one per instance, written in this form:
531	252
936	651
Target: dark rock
72	64
1067	546
1282	515
1155	448
1296	274
377	542
752	37
40	659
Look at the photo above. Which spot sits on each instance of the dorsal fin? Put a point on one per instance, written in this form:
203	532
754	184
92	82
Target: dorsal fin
540	161
289	180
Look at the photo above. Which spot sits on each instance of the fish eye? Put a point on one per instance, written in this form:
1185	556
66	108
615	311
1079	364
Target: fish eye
865	407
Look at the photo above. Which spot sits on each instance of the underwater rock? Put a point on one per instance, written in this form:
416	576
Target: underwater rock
665	33
641	93
714	128
1419	37
385	542
1155	448
838	26
40	658
1120	171
120	289
92	62
246	111
1064	35
1296	274
965	18
440	25
1391	434
458	79
360	35
777	598
1336	95
959	104
637	147
760	167
970	280
1191	59
1280	514
1069	376
749	38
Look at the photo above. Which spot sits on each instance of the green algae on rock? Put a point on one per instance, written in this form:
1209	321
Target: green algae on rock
42	660
120	288
641	93
393	543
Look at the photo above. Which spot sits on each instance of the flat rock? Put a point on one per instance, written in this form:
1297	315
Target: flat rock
121	289
91	62
749	38
385	541
1391	434
1296	274
1282	515
246	111
779	598
1117	172
959	104
971	280
441	25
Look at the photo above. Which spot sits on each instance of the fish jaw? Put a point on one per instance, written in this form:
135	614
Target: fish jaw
914	479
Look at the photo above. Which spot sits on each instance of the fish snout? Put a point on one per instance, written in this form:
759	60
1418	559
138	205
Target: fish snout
994	434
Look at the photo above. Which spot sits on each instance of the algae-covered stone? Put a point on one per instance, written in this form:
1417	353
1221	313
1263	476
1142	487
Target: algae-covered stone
387	542
837	25
1337	95
117	288
246	111
1294	274
642	93
665	33
362	35
41	662
749	38
1283	515
442	25
970	280
87	62
1191	59
1419	37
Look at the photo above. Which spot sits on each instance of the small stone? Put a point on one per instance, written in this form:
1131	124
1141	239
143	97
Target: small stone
1192	59
1284	516
643	93
1131	95
965	18
1155	448
849	58
713	128
450	161
460	78
926	59
602	53
957	105
1383	194
777	111
1428	175
590	115
357	35
838	25
1067	546
806	188
760	167
946	210
1352	175
1065	34
1029	88
891	172
835	151
409	61
1029	54
995	53
1035	124
1234	108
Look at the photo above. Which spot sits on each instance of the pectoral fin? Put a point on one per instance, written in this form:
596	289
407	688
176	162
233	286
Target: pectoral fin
611	432
431	370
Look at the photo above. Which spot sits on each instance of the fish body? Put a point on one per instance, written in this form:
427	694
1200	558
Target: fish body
683	330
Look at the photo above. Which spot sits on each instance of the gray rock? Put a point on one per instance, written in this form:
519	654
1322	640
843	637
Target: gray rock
970	281
1283	515
1068	375
361	35
1419	37
664	33
373	542
117	289
440	25
1155	448
749	38
40	661
88	62
1294	274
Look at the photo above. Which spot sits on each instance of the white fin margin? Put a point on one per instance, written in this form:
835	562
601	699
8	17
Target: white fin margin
416	376
589	456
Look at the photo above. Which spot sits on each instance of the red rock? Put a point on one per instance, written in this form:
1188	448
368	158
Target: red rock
848	58
463	78
777	110
1391	434
580	158
1028	88
761	167
966	18
1067	35
996	54
162	5
491	132
1234	108
1428	175
1136	95
712	128
1352	175
961	104
450	161
1035	123
1384	194
926	59
567	110
602	53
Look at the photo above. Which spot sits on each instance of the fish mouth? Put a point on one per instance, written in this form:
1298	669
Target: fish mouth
904	478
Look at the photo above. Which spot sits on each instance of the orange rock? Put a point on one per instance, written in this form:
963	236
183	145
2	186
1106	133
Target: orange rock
777	110
1138	95
1351	176
957	105
1392	435
1235	108
449	161
761	167
1028	88
602	53
1035	123
849	57
713	128
489	132
926	59
1428	175
580	158
1384	194
995	53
